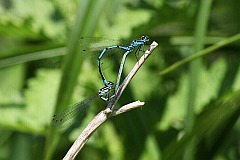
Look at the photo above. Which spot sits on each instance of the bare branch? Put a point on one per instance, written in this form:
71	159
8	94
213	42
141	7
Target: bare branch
109	112
125	108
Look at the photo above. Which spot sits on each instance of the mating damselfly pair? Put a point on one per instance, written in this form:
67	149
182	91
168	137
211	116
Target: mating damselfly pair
99	48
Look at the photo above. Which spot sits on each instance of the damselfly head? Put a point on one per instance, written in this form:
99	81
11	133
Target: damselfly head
145	38
110	84
105	90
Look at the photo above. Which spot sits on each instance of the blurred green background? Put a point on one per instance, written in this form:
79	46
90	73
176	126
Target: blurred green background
190	113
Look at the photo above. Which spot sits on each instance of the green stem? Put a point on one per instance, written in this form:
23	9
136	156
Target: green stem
69	77
201	53
194	73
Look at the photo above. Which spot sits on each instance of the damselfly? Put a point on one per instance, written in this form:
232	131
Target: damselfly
100	48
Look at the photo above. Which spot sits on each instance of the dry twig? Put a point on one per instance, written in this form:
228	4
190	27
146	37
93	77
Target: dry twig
109	112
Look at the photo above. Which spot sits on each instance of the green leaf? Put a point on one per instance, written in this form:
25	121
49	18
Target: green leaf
41	98
210	80
209	129
35	114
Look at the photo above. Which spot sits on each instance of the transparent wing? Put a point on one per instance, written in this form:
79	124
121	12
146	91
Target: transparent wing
91	48
73	113
97	42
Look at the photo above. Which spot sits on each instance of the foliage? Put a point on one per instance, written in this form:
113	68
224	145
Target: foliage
191	111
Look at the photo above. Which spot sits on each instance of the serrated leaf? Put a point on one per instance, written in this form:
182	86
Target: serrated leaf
209	85
40	99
